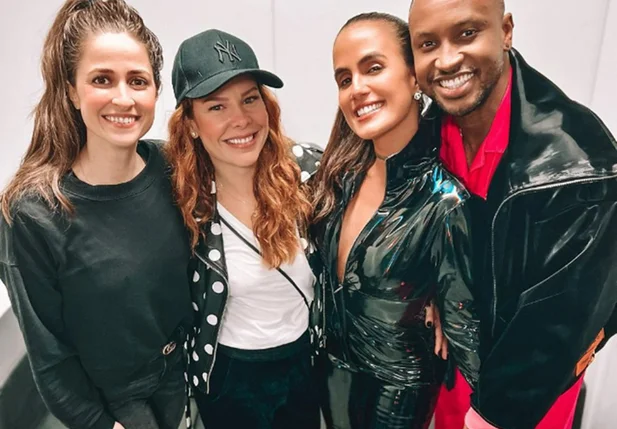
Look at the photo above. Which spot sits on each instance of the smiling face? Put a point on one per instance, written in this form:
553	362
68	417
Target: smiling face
114	89
460	51
232	123
375	84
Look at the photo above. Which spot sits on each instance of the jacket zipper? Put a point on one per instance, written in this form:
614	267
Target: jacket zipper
517	194
341	283
323	341
216	343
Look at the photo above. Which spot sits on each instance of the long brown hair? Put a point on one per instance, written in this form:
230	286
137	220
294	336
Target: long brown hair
282	204
59	131
346	151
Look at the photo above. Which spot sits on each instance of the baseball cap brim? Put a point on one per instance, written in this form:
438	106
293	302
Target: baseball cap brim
210	85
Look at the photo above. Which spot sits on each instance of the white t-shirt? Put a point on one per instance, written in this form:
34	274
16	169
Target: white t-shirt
263	308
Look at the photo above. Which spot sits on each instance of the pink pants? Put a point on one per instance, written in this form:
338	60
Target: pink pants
453	405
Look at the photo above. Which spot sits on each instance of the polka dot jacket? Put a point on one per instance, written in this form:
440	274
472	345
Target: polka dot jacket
209	286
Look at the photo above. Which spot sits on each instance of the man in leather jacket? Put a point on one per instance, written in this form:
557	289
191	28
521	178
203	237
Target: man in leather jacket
543	172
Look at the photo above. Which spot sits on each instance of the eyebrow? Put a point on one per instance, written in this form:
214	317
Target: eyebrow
371	56
110	71
471	21
459	24
248	91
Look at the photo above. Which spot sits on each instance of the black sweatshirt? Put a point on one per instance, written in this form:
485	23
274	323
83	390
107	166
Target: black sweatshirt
99	293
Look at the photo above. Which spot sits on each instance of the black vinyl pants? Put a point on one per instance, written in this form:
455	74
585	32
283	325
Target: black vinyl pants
355	400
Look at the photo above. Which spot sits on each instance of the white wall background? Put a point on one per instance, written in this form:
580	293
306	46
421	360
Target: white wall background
572	42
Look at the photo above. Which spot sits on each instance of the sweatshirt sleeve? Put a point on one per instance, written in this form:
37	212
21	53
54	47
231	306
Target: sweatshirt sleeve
28	270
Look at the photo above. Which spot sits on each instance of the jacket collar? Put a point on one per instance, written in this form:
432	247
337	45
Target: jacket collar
421	149
552	138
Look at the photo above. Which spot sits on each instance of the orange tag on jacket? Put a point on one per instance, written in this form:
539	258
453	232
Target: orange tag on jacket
589	354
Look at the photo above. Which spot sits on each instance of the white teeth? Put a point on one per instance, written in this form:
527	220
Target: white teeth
121	119
368	109
241	141
457	82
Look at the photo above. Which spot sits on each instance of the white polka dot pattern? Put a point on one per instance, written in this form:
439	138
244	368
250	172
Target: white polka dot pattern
298	151
196	277
218	287
209	349
214	254
215	228
212	319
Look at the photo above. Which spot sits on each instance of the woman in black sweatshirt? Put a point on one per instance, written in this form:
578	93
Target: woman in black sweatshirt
92	249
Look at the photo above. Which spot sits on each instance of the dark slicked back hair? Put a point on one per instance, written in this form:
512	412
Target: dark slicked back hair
398	25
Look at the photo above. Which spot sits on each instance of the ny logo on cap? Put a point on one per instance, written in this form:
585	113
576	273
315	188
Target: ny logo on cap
229	49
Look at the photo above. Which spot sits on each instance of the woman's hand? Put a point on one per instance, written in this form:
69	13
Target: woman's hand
432	319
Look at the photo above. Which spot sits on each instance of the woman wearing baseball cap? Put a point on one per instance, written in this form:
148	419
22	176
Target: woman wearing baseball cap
238	182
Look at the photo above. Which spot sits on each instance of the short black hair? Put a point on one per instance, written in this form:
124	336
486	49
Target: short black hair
500	3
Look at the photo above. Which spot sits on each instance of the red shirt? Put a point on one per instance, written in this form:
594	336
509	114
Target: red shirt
478	176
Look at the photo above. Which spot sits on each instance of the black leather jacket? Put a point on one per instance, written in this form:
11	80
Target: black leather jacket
414	248
548	282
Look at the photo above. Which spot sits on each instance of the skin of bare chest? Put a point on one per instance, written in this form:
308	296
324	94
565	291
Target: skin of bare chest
358	213
243	211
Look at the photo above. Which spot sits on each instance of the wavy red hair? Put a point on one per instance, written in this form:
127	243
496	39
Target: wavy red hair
282	202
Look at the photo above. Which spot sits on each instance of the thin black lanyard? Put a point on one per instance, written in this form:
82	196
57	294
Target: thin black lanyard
256	250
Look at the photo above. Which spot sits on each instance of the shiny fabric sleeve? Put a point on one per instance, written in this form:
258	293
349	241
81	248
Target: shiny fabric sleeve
560	313
27	269
460	324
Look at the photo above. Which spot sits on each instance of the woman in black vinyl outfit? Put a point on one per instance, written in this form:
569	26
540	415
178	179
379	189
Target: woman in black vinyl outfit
392	229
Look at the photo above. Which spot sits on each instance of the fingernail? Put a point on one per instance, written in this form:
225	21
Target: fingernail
429	324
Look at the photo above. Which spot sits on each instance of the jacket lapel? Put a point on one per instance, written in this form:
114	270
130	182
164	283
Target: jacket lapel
210	248
552	138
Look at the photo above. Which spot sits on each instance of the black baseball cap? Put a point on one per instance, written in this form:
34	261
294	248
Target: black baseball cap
208	60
